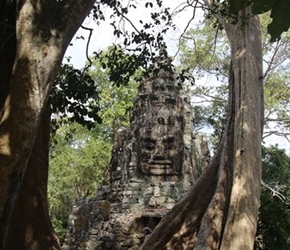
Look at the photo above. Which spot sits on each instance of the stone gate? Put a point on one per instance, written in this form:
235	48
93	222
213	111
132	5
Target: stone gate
154	163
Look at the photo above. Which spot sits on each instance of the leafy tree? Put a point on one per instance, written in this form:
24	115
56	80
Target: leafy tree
78	161
209	54
206	52
79	157
115	101
74	97
274	215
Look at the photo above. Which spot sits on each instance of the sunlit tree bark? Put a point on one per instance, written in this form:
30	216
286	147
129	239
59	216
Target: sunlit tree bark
221	210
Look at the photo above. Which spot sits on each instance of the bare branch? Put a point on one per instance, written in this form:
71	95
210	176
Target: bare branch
270	63
277	190
185	29
87	47
188	4
277	120
277	133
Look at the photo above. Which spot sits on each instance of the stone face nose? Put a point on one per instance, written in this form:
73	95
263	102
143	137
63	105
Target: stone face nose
159	151
158	154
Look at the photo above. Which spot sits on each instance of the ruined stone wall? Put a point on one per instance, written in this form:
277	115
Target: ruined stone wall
154	163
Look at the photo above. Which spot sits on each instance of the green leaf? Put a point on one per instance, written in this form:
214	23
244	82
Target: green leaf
279	13
262	6
281	19
237	5
149	4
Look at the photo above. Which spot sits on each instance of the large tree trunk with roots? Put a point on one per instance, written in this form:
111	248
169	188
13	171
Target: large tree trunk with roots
43	30
221	210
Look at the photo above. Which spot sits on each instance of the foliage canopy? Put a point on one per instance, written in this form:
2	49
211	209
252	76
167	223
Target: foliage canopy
279	13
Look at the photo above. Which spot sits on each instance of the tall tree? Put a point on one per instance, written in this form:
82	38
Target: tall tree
209	54
221	210
205	50
34	37
115	101
78	160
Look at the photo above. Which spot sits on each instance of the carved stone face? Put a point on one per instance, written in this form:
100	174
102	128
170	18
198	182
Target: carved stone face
161	149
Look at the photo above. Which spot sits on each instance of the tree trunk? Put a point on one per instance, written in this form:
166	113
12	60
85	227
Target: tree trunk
246	49
43	31
30	222
221	210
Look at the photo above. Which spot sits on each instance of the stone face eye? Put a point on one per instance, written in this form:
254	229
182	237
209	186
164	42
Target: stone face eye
170	146
161	120
169	142
149	144
170	100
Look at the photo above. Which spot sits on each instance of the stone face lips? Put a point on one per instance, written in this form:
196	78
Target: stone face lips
154	163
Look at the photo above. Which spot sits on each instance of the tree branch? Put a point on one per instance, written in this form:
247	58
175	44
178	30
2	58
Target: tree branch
87	47
277	190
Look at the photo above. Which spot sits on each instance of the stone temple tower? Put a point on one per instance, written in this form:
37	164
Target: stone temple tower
154	164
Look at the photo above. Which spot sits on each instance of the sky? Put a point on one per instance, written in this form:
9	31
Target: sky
102	37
